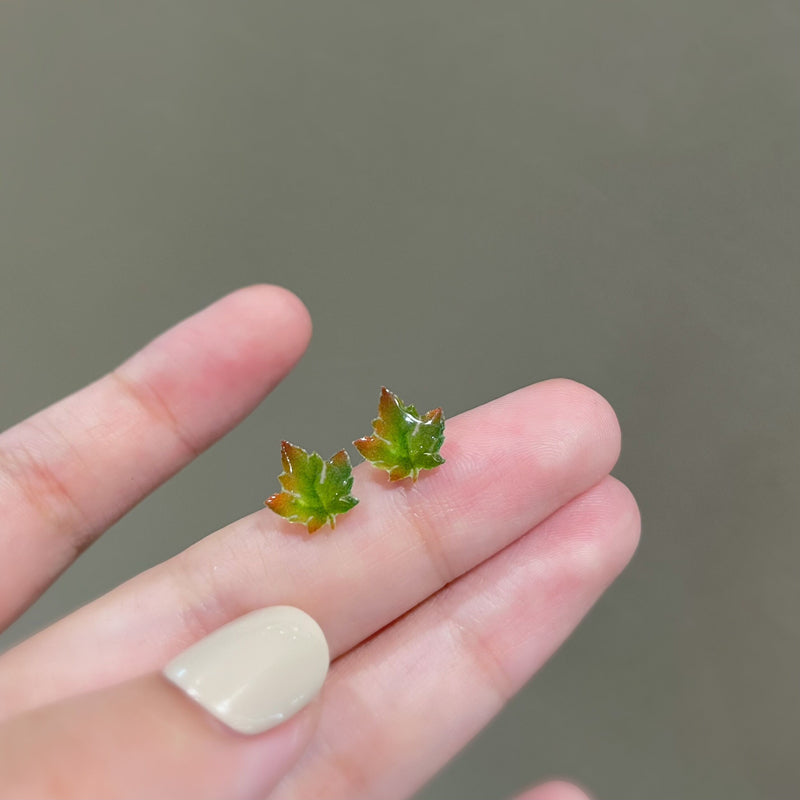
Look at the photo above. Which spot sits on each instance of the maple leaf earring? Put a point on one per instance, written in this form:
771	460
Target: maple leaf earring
314	491
404	442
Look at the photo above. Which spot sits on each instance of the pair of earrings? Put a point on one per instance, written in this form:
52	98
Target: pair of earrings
316	491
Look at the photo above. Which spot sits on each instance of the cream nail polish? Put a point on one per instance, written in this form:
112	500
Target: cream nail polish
256	671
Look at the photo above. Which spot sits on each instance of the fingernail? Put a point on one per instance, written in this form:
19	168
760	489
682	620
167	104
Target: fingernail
256	671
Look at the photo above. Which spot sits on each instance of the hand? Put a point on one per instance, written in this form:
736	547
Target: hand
438	600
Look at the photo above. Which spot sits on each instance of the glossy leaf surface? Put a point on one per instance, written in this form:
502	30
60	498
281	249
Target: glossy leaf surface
403	442
314	491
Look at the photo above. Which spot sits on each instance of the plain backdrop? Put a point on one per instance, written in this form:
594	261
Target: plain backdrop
469	197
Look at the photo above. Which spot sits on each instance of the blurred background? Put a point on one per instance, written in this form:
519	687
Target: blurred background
469	197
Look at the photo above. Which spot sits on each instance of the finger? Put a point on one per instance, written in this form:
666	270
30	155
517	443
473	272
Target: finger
71	470
146	738
510	464
403	704
554	790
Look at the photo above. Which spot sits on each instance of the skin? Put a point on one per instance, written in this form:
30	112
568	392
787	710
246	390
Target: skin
477	572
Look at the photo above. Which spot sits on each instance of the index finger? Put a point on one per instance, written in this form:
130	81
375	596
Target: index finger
70	471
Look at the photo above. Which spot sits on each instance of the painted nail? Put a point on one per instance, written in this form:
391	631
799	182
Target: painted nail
256	671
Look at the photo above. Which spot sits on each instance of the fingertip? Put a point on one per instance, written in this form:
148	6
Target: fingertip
255	672
572	432
629	527
248	341
603	525
262	303
555	790
228	717
211	370
279	297
589	405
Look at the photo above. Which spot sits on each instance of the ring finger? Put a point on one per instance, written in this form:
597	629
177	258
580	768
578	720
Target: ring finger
400	706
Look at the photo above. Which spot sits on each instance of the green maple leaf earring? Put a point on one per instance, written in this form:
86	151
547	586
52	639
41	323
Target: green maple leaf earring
314	491
404	442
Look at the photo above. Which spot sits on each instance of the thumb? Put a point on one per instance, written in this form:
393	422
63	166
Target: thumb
147	738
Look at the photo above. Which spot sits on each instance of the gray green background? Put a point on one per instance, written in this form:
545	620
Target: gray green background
469	197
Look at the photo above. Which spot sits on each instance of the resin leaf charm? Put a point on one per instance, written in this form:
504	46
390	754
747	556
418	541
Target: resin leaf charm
314	491
403	442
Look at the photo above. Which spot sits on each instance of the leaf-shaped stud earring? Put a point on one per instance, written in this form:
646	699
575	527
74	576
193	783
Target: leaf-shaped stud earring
314	491
403	442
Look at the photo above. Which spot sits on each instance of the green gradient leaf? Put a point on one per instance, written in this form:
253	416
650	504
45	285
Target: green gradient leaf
314	491
403	442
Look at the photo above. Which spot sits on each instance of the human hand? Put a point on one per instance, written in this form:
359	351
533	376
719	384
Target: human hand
438	600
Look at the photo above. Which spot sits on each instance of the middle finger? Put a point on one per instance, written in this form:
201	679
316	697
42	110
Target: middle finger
510	464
